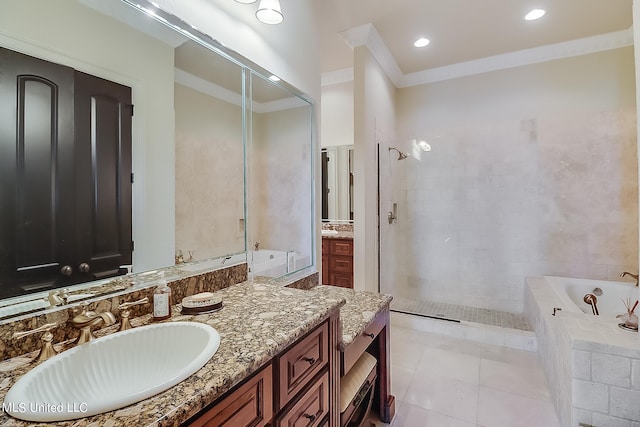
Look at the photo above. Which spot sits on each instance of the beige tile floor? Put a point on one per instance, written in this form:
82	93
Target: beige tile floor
440	381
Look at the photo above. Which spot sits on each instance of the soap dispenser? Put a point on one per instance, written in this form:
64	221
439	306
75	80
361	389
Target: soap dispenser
162	300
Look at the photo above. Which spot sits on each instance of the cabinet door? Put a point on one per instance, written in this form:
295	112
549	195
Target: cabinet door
251	405
36	173
103	169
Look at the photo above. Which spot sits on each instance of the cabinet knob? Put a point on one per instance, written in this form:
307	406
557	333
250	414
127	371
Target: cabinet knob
311	418
84	267
311	360
372	336
66	270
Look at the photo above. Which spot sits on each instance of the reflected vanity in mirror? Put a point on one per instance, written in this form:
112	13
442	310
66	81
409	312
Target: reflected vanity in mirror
189	117
337	183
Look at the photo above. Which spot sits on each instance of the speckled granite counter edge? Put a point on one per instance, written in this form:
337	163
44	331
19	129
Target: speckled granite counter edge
242	352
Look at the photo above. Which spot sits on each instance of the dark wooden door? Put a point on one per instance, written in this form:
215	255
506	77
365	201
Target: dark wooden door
65	175
325	186
36	173
103	113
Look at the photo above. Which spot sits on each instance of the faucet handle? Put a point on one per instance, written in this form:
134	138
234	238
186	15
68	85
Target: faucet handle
124	316
47	350
126	305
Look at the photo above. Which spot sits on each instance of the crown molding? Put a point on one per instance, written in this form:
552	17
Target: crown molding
520	58
366	35
206	87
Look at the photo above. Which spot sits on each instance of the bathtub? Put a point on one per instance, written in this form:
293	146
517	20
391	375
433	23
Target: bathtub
211	264
571	292
271	263
591	364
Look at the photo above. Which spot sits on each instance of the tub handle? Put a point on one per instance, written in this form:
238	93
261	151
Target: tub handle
556	309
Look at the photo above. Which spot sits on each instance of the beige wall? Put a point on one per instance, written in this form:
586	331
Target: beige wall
336	116
209	175
68	33
533	171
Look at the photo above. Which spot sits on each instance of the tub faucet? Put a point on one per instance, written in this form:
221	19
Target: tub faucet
256	246
626	273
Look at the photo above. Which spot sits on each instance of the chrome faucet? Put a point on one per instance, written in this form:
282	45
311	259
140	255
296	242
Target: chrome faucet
86	319
626	273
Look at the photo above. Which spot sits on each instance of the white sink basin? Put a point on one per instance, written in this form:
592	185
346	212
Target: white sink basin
112	372
326	232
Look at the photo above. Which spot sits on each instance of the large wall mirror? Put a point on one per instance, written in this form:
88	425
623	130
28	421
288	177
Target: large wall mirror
281	179
189	133
337	183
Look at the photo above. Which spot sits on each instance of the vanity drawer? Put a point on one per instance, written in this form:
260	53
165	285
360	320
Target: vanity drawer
311	409
351	354
250	405
298	365
342	280
341	264
341	247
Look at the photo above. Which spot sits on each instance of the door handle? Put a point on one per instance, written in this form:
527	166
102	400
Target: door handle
84	267
66	270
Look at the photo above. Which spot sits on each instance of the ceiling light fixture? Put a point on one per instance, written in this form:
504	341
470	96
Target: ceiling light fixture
421	42
246	1
274	78
535	14
269	12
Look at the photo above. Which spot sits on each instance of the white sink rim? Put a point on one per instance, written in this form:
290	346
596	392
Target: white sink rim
19	403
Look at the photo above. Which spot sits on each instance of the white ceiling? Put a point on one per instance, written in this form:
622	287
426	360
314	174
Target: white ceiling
460	30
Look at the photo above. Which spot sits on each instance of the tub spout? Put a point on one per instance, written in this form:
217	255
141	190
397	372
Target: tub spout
626	273
592	300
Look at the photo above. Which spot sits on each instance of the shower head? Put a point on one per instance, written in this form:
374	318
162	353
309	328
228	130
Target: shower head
401	155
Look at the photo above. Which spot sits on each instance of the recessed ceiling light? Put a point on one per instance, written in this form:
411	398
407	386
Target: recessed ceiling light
274	78
421	42
535	14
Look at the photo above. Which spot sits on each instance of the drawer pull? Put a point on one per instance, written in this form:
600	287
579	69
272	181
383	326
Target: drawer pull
372	336
311	360
311	418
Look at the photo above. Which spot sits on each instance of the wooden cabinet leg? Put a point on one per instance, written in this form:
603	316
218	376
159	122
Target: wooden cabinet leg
387	402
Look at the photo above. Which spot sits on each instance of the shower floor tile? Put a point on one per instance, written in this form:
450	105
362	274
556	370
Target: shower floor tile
459	312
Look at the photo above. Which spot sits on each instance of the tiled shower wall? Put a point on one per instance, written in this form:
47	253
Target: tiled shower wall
492	204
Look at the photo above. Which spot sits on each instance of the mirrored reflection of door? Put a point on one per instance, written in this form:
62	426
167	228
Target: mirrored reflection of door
65	156
281	181
337	183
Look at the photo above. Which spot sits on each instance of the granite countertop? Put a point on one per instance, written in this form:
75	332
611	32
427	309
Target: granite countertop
339	235
257	322
359	311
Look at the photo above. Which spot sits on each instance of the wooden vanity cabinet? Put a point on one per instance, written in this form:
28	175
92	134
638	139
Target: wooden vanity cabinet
298	387
337	262
249	405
